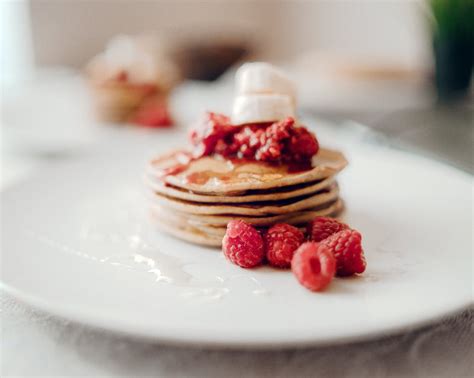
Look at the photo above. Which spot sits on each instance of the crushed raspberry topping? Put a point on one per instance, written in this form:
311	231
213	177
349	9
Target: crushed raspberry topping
281	242
243	244
211	129
314	265
278	142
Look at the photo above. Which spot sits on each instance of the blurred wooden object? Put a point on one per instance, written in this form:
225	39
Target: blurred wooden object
208	61
132	71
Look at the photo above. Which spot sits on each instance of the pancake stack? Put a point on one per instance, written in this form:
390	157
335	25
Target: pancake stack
196	199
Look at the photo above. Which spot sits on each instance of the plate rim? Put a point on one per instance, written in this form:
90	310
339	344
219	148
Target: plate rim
166	337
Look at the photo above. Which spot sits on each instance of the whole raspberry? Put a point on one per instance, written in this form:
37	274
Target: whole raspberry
281	241
322	227
313	265
347	249
243	244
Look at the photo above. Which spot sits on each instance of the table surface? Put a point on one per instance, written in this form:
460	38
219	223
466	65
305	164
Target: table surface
34	343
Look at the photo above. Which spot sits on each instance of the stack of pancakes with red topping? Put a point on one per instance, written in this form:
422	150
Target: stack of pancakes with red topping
197	200
261	166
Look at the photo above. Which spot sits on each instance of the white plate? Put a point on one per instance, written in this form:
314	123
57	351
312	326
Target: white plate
77	242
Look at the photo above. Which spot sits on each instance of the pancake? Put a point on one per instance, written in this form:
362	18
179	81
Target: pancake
188	233
216	176
329	209
194	200
252	208
212	236
249	196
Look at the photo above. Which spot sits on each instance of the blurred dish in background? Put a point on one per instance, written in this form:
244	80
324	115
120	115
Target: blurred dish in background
335	82
209	61
131	81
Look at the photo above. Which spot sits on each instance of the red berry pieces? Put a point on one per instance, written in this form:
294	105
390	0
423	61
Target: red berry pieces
211	129
347	249
153	113
243	244
302	145
322	227
313	265
284	141
281	242
278	142
274	140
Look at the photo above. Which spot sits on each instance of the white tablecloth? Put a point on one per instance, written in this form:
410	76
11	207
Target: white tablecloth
37	344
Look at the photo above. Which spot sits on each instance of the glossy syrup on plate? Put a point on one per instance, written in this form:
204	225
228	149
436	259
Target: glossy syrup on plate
163	267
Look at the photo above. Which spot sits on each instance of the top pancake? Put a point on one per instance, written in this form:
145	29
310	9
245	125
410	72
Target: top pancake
214	175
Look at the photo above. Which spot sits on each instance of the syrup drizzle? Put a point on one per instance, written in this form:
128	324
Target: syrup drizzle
233	168
183	160
165	269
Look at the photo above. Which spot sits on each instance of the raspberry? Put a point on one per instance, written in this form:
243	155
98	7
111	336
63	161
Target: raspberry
314	265
281	242
275	142
247	141
243	244
322	227
153	113
302	145
211	129
347	249
283	141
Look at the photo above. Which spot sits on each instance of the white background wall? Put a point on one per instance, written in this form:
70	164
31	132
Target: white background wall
70	31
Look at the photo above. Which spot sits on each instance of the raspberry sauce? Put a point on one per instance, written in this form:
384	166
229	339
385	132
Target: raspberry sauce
277	143
280	144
